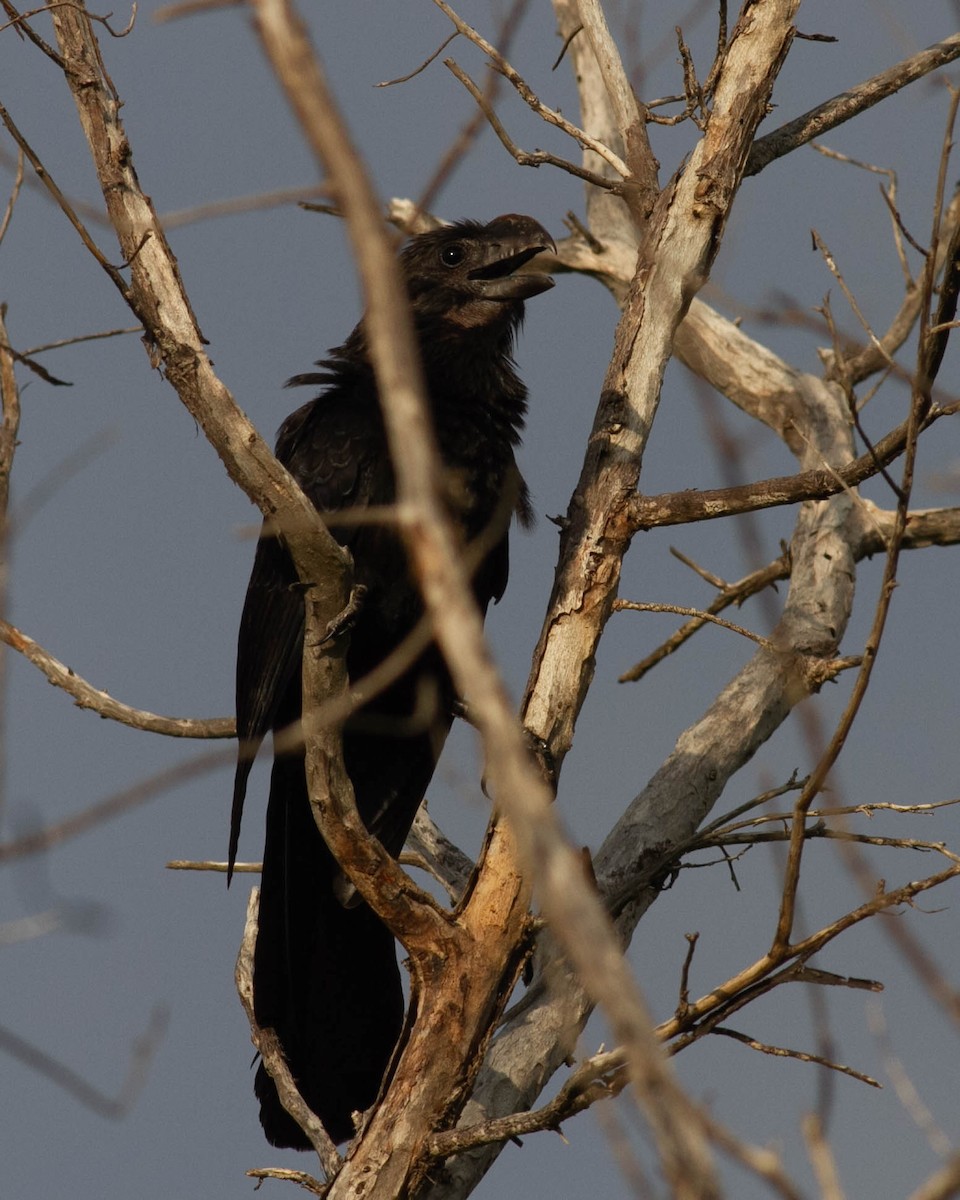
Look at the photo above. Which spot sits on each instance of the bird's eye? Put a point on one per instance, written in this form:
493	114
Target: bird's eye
452	256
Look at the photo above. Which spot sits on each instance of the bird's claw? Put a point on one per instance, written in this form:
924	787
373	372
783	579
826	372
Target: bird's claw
345	620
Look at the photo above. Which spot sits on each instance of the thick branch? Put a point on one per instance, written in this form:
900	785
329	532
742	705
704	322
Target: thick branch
156	296
566	897
680	508
674	260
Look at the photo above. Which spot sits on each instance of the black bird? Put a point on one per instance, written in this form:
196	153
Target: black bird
325	974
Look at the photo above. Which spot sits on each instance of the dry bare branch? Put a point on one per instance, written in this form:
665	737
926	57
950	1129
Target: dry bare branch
524	157
762	1161
115	804
12	198
573	910
85	695
697	613
850	103
155	294
821	1158
549	115
269	1049
734	593
629	117
113	1107
942	1184
913	1105
218	868
929	359
799	1055
179	218
300	1178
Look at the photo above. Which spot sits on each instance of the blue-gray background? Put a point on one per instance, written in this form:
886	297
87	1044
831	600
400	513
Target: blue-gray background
133	572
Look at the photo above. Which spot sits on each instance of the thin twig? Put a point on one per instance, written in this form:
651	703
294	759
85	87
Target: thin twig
217	868
178	218
821	1158
762	1161
47	180
566	45
526	93
799	1055
906	1091
423	66
189	8
114	804
831	262
919	407
734	593
524	157
114	1107
698	613
459	147
79	338
14	193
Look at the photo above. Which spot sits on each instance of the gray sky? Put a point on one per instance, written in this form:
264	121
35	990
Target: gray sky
133	573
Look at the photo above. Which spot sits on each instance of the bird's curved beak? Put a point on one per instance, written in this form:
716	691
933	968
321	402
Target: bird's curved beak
513	242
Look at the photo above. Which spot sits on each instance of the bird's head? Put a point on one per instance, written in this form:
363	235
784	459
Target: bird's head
472	275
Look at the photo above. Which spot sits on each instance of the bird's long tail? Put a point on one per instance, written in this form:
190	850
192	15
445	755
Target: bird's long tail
325	977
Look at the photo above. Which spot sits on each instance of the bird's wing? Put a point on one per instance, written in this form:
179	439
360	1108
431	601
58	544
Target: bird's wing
326	446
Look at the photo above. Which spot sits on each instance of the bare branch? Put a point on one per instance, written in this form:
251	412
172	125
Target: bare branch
241	204
47	180
849	103
189	8
929	358
629	116
524	157
12	198
268	1046
913	1105
9	428
113	1107
680	508
423	66
762	1161
156	295
851	298
697	613
549	115
113	805
799	1055
734	593
821	1158
218	868
443	859
77	339
300	1178
942	1184
86	695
